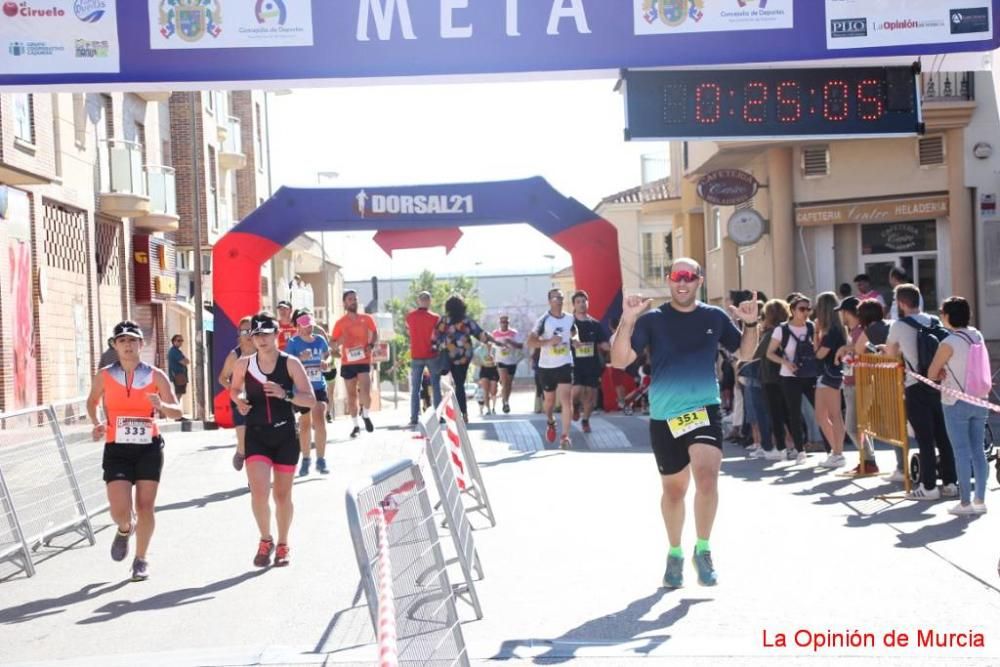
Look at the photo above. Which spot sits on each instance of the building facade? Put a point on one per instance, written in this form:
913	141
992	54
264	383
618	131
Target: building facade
84	180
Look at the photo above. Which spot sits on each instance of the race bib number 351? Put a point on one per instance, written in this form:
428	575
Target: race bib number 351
687	422
134	431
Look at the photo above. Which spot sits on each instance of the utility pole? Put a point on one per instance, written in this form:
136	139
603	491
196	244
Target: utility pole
199	305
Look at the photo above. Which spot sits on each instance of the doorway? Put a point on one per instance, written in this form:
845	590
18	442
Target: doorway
912	246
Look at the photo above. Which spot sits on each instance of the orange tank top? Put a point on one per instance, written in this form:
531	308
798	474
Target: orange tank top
127	407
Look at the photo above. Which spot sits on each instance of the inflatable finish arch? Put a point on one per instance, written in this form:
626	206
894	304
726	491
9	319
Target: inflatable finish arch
591	241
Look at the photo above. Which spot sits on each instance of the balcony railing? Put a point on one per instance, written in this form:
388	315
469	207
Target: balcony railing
125	172
948	87
231	155
162	190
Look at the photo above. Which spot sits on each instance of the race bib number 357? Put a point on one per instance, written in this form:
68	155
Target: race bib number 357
134	431
687	422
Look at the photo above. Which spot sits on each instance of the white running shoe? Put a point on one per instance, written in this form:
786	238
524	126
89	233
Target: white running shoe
979	508
775	455
834	461
896	476
757	453
920	493
949	491
791	454
958	509
802	457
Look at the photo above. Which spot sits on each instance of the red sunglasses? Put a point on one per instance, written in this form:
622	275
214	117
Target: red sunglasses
682	276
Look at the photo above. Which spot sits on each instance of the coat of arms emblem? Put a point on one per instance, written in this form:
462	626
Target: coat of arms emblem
190	20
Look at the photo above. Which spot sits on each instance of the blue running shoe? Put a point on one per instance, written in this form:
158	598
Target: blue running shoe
304	468
321	466
706	571
674	576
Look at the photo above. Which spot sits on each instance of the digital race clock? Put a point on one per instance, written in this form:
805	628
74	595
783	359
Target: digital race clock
719	104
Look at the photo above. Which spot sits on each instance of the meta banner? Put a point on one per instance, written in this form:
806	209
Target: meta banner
172	44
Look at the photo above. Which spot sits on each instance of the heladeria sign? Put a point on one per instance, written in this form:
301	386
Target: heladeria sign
172	44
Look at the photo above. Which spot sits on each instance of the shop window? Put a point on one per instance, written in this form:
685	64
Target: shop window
931	150
657	255
815	161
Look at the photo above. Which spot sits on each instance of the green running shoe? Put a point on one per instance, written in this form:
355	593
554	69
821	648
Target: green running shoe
674	576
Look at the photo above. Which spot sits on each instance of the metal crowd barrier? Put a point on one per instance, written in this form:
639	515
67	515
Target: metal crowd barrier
439	456
40	496
878	381
427	625
472	485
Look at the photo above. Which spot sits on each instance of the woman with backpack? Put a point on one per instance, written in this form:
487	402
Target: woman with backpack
792	347
830	337
962	364
772	419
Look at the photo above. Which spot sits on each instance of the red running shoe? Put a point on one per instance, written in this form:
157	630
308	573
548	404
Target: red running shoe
550	432
281	556
263	557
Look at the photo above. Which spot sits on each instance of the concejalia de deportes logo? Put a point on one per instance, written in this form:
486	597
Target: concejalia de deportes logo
271	12
90	11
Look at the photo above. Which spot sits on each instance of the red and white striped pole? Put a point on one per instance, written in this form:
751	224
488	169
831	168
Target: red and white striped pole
388	655
455	441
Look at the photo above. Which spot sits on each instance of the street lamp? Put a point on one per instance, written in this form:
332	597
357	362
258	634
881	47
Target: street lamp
552	266
331	175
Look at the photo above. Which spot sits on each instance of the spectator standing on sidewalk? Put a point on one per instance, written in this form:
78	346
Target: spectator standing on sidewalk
775	314
792	346
109	356
848	310
420	323
897	277
830	338
863	283
962	364
923	403
177	365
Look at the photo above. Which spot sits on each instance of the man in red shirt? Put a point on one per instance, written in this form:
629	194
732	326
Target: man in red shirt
356	334
286	328
420	322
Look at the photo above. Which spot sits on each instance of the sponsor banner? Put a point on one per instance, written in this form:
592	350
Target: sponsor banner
671	17
320	42
56	36
219	24
861	24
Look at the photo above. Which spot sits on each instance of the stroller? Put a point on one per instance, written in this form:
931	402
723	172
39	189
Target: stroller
989	445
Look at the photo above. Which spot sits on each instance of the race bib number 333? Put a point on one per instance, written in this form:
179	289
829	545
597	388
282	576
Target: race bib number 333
687	422
134	431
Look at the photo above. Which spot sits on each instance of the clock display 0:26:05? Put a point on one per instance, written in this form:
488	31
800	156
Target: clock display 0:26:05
786	102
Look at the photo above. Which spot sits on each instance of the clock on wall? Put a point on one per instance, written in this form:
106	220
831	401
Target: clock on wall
746	226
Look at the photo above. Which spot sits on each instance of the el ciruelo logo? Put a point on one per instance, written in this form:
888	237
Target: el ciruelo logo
25	10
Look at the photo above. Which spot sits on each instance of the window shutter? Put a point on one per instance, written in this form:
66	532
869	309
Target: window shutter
816	161
931	150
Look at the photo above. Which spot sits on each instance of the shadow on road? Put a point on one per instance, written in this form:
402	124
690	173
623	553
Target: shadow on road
619	628
204	501
29	611
182	596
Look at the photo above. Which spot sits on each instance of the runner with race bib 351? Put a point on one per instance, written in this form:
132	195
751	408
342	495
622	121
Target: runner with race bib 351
685	426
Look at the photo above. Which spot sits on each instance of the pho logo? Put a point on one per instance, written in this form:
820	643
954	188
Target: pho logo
271	12
90	11
849	28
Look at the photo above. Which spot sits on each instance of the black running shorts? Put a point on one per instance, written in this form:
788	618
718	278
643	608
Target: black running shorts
277	444
131	463
672	453
489	373
354	370
553	377
510	368
321	397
